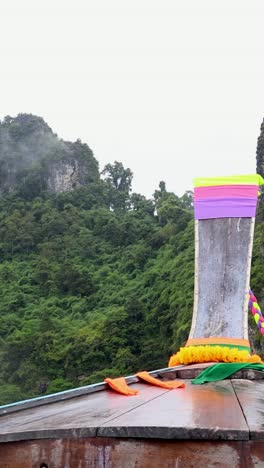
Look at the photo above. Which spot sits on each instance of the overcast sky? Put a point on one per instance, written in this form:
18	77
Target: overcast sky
172	88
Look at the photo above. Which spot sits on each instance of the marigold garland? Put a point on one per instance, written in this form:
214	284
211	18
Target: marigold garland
199	354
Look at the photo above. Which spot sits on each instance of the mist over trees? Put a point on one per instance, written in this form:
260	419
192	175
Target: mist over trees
95	280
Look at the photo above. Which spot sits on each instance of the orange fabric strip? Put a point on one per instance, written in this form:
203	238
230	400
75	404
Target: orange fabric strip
217	340
120	386
168	384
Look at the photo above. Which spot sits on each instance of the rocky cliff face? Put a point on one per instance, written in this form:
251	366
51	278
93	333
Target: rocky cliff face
65	176
32	155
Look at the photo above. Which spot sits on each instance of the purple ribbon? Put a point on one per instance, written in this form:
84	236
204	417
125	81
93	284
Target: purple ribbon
225	208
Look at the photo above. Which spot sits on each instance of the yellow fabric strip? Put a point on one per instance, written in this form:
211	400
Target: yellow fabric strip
249	179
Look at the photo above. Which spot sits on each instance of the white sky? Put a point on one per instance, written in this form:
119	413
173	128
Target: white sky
172	88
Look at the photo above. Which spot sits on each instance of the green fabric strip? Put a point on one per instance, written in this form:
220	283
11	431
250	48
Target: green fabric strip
242	348
223	370
249	179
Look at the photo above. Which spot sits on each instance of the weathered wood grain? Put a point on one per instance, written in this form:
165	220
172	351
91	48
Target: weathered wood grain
224	255
128	453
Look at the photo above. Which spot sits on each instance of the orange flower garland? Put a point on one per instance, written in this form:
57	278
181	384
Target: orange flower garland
199	354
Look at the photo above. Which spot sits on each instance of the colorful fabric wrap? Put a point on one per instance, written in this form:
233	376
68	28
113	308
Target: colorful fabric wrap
240	344
226	197
256	311
248	179
224	370
220	349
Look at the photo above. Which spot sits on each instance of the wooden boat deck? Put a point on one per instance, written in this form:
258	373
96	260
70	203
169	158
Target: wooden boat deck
102	423
229	410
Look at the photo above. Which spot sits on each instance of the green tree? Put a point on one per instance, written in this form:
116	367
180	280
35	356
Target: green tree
118	182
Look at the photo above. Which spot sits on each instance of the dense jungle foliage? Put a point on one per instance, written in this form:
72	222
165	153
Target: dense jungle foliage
95	282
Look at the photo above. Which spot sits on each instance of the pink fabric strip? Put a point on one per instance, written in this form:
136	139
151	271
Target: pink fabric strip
224	191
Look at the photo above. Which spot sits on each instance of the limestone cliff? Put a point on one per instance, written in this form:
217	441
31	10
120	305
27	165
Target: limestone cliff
33	158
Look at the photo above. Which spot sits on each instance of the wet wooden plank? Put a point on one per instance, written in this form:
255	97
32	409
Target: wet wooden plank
251	398
223	263
208	411
70	394
78	417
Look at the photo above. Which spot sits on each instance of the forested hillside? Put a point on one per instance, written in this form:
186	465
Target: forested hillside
95	280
